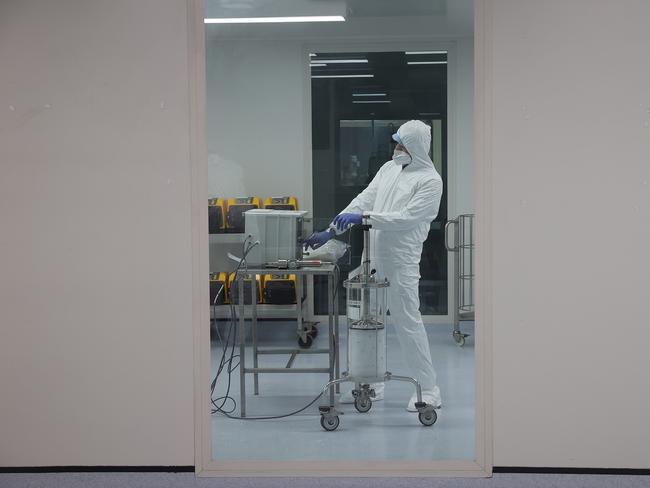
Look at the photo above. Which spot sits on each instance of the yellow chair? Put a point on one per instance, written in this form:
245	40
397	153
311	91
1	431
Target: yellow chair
218	288
216	216
281	203
235	212
280	289
233	289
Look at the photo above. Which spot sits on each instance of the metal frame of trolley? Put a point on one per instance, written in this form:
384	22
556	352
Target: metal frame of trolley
329	270
463	274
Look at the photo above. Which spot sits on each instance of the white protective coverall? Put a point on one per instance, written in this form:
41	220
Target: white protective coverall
400	204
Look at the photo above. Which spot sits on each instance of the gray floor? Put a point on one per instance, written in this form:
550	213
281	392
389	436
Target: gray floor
387	432
188	480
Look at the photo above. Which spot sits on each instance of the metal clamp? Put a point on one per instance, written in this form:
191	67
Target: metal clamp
293	264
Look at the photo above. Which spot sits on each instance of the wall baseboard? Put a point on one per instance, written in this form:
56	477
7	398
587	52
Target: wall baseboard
190	469
97	469
601	471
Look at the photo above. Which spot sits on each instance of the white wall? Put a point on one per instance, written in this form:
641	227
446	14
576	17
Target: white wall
571	206
462	192
95	255
256	120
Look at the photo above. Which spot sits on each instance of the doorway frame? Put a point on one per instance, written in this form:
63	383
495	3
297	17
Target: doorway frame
481	466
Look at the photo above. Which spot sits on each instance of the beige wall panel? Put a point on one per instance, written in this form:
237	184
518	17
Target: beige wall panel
571	206
95	289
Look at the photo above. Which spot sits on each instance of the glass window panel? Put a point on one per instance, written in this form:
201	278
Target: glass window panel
353	120
260	141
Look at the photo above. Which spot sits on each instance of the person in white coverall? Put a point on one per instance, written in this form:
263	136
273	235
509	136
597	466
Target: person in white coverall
400	203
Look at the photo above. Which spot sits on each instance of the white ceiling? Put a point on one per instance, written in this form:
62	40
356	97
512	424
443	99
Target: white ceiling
441	18
356	8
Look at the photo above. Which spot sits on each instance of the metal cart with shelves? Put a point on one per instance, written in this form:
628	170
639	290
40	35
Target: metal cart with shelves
304	333
462	251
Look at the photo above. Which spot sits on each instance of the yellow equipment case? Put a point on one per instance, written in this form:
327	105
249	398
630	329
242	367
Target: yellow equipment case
281	203
235	212
216	216
233	289
218	288
280	289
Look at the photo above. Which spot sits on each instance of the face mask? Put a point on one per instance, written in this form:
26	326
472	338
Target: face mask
400	158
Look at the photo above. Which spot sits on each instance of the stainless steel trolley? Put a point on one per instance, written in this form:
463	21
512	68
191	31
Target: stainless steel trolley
462	251
303	332
366	345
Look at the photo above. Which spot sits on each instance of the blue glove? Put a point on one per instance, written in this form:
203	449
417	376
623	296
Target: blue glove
317	239
344	220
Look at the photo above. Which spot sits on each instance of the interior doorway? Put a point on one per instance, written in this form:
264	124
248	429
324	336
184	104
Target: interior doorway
247	131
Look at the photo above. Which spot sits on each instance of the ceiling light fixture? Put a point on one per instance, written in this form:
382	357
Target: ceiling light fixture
275	20
426	62
371	101
368	94
409	53
341	61
343	76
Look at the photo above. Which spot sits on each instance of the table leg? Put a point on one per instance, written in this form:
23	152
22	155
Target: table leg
256	388
337	355
242	347
330	320
299	329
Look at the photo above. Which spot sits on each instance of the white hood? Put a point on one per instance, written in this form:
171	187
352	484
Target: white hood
416	138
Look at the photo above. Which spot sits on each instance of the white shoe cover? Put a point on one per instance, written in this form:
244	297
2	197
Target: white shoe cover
430	397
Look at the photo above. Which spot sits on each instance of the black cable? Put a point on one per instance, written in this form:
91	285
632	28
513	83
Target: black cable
222	364
214	310
227	413
225	398
274	417
233	325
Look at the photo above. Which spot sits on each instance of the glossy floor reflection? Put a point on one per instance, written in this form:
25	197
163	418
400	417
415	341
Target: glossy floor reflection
387	432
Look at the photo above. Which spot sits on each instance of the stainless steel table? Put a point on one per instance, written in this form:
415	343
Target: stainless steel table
332	350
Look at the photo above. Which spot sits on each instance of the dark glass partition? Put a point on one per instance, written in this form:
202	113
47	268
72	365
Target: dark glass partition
358	101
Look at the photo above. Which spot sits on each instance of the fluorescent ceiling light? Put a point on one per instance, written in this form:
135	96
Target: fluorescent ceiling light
371	101
368	94
408	53
311	54
317	65
341	61
275	20
343	76
426	62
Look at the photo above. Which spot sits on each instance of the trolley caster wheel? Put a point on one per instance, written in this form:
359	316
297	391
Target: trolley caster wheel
428	418
311	331
362	405
329	423
306	344
459	338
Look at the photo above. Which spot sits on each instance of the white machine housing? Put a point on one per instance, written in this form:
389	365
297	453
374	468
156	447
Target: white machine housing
279	232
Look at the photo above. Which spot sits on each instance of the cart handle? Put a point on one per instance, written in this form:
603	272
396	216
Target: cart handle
450	248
